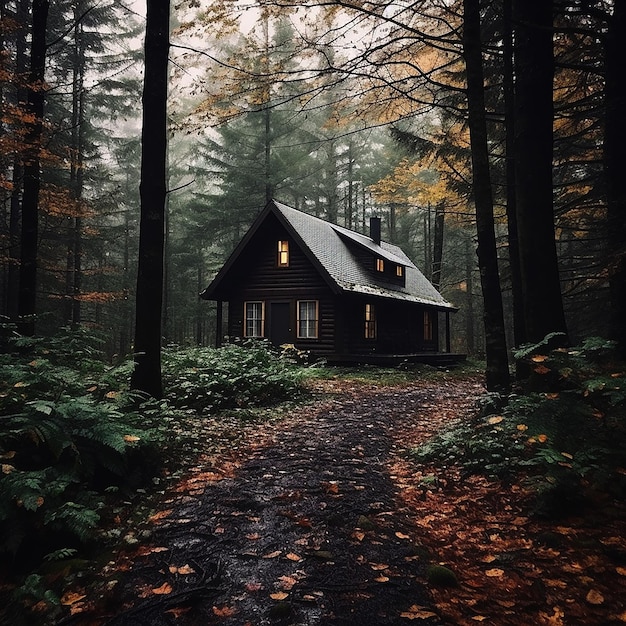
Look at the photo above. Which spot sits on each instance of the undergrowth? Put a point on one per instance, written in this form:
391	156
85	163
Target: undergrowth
564	429
76	445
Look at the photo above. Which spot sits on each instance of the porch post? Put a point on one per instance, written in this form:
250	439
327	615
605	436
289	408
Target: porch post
218	323
448	331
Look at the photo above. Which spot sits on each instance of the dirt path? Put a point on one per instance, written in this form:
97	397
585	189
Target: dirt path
304	527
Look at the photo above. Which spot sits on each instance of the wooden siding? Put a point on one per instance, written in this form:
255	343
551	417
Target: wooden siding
255	276
400	327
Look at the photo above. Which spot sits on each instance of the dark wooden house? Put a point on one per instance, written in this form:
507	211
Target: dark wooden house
297	279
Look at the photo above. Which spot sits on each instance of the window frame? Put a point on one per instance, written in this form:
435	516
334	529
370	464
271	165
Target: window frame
371	326
300	320
254	320
429	326
282	254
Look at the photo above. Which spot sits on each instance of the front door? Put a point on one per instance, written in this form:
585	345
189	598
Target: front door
280	323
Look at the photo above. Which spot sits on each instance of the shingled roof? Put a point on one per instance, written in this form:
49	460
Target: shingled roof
328	247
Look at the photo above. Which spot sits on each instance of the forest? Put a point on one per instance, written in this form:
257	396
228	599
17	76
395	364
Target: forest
139	140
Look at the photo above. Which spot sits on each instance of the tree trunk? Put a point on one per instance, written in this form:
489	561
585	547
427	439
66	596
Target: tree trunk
614	159
519	328
32	172
438	245
534	116
152	190
13	276
497	370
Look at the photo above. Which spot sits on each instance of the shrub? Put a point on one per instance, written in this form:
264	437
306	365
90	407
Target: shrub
249	374
565	428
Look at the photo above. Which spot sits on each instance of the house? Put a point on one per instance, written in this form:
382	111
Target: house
297	279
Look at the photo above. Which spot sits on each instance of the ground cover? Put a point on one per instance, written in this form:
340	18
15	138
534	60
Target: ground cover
322	517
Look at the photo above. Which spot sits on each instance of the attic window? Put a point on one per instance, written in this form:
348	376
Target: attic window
370	321
399	271
283	253
380	265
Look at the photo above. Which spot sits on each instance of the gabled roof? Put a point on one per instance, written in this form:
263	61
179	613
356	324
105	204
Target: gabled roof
327	246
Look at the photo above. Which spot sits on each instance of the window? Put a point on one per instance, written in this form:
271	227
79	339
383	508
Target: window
380	265
308	314
370	321
428	326
283	253
399	271
254	324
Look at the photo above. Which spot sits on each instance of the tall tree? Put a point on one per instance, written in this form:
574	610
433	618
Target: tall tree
497	370
614	159
146	376
534	118
32	171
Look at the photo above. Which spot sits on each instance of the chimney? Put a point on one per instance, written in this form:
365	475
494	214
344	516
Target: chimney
375	229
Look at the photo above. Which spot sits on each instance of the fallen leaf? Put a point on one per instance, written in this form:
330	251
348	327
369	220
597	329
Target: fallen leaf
381	579
279	595
178	611
359	535
69	598
538	358
417	612
494	573
253	537
542	369
224	611
479	618
253	587
495	419
542	438
621	571
184	570
131	438
400	535
377	567
292	556
594	597
287	582
272	555
164	589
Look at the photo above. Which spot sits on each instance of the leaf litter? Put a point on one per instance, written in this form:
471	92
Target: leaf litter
273	530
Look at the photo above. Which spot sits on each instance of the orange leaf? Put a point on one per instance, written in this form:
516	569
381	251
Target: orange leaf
417	612
164	589
131	438
381	579
292	556
178	611
279	595
539	358
69	598
494	573
594	597
542	438
400	535
377	567
224	611
542	369
272	555
495	419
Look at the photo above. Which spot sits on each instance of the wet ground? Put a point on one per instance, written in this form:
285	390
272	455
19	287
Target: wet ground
306	530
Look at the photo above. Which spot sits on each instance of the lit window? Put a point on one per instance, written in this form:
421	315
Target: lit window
380	265
308	319
370	322
254	319
428	326
399	271
283	253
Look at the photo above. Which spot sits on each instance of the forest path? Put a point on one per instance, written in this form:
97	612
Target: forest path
305	526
